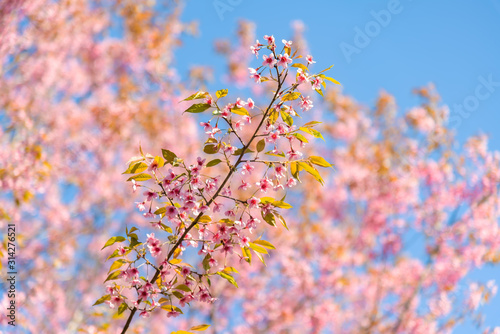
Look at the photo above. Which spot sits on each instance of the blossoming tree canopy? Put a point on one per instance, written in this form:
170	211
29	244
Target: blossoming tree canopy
387	245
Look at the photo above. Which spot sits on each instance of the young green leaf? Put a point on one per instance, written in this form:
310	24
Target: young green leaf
168	155
140	177
214	162
112	240
196	96
228	277
221	93
261	145
319	161
198	108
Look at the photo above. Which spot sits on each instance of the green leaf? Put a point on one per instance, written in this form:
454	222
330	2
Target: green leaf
269	218
196	96
330	79
221	93
112	240
326	69
286	118
200	327
319	92
282	220
311	170
205	219
300	137
281	155
116	265
122	308
113	275
302	66
160	211
114	254
102	300
168	307
168	155
294	169
261	145
272	201
264	243
319	161
310	124
247	255
282	205
181	332
228	277
240	150
214	162
261	258
211	149
136	168
198	108
230	269
258	248
183	287
140	177
290	96
240	111
313	132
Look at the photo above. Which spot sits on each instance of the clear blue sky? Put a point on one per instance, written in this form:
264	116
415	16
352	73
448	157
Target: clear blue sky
454	44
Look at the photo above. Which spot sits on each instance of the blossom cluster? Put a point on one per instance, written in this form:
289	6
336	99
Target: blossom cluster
192	205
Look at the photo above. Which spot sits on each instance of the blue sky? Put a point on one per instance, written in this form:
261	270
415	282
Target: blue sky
454	44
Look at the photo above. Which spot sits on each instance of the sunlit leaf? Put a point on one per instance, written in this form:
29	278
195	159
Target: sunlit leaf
198	108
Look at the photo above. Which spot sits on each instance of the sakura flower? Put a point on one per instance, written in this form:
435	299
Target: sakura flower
272	137
256	48
250	104
244	185
145	314
316	83
141	205
269	39
269	61
200	162
114	301
209	100
301	76
244	241
293	155
279	171
309	59
253	202
148	214
305	103
121	250
185	271
150	195
239	103
247	169
264	185
206	125
288	44
284	60
134	185
172	314
291	182
153	166
254	74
